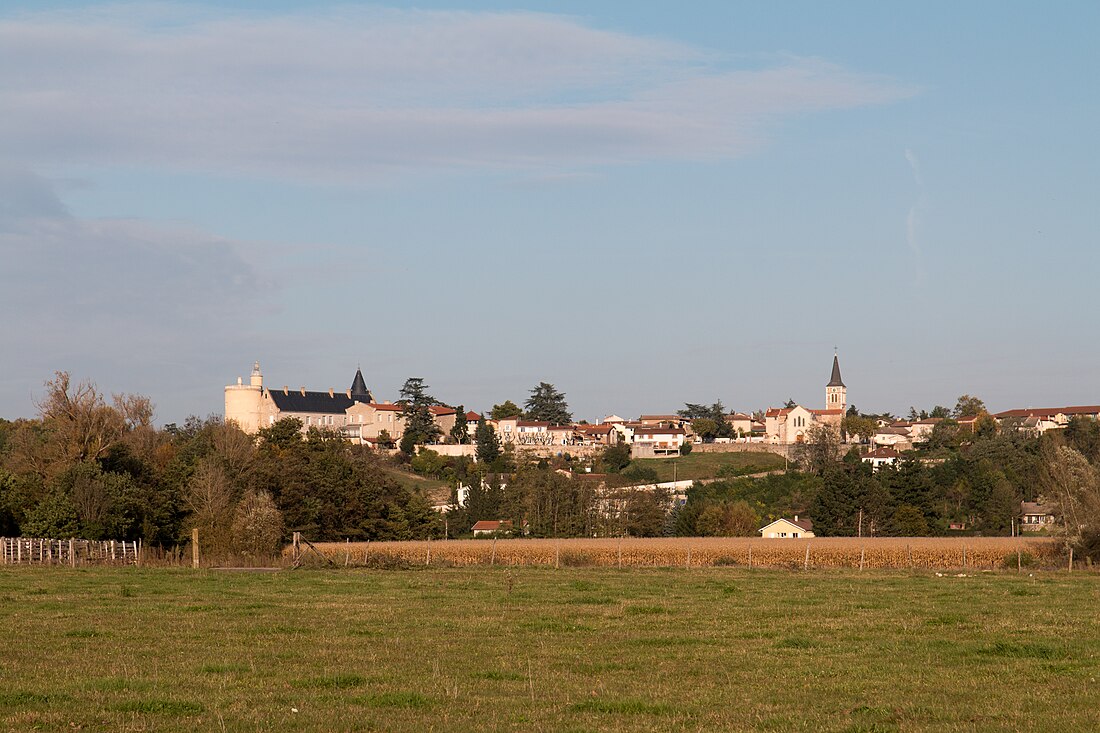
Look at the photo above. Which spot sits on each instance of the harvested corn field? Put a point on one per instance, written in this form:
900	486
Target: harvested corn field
932	553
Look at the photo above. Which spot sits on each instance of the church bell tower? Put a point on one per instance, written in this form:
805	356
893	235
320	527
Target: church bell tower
836	394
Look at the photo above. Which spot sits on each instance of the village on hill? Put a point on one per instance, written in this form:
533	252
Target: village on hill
545	430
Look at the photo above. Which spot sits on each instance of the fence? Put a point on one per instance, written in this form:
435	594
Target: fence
35	551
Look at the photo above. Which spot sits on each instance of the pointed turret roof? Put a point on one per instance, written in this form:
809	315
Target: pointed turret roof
836	380
359	389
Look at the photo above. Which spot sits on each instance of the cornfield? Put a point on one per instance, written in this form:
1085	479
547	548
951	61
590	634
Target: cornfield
930	553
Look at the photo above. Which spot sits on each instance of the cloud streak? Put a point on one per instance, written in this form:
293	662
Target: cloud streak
346	95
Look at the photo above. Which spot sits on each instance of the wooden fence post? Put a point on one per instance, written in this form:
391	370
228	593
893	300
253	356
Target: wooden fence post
195	547
428	553
1019	561
806	565
750	557
1070	569
909	553
620	552
557	554
862	550
493	557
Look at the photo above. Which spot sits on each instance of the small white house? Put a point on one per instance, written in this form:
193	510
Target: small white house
880	457
788	528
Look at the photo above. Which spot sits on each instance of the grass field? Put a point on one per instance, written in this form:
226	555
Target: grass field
524	649
697	465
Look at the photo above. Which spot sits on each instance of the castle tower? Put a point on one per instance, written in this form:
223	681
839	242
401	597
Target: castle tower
359	391
242	401
836	394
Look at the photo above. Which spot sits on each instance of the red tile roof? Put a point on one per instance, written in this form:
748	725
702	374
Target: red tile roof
1050	411
491	525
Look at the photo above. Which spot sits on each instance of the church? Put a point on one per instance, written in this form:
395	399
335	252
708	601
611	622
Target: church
792	424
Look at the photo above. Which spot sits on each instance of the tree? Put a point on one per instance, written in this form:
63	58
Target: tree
615	457
938	411
460	433
705	428
716	427
420	426
257	530
968	406
909	521
505	410
488	447
1073	484
548	404
790	404
819	450
864	427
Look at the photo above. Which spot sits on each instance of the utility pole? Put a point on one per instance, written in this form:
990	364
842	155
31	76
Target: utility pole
860	522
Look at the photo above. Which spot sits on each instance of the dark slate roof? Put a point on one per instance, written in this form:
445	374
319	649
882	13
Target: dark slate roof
359	389
835	381
294	401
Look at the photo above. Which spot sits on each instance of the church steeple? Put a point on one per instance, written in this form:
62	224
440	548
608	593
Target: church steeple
836	394
359	389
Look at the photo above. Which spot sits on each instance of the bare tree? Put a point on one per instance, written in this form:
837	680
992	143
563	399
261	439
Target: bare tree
1073	485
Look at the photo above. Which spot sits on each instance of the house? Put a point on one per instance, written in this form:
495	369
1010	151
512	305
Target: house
792	528
596	434
656	442
487	527
895	437
1036	421
561	435
880	457
664	421
740	422
921	429
1035	517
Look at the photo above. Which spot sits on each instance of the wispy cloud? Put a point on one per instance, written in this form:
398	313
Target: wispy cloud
342	95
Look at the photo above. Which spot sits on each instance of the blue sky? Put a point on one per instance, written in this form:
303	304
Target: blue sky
642	203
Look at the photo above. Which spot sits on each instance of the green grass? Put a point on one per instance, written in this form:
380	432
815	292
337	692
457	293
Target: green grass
532	649
697	465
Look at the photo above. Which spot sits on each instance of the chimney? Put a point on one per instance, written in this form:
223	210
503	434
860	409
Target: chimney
303	391
286	390
330	391
796	517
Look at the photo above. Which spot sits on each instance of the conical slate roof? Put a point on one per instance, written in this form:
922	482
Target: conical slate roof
359	389
835	381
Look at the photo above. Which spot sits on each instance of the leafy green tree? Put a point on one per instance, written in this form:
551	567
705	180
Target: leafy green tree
909	521
548	404
717	427
420	426
705	428
967	406
488	446
505	410
938	411
460	432
864	427
283	434
615	457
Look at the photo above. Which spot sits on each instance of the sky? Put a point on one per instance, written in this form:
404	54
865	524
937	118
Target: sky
643	203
